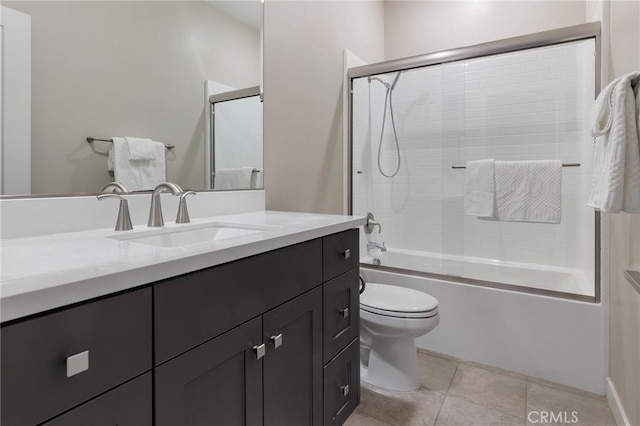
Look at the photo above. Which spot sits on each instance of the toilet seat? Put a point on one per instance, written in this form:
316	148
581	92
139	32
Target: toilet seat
398	302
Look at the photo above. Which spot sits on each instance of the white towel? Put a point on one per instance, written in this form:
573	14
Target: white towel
234	178
529	191
616	125
137	175
142	148
479	189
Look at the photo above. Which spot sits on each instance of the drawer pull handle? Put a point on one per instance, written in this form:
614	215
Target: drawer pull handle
276	340
344	390
346	254
77	363
260	350
344	312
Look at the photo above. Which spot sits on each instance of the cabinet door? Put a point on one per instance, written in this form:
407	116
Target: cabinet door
217	383
293	364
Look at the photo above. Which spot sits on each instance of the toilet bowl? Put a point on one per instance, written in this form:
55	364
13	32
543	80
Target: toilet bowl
391	318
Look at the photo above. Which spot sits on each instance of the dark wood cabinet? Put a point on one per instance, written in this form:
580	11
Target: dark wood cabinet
268	340
341	315
128	405
111	335
293	363
219	382
342	385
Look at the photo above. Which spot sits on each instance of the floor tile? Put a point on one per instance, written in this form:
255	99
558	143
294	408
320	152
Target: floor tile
436	372
357	419
490	389
565	388
588	410
401	408
460	412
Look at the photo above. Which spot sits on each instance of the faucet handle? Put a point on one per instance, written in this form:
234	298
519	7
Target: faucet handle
183	213
123	223
371	224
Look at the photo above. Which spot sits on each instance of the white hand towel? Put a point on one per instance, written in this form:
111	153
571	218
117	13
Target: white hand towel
529	191
138	175
110	159
616	125
479	189
233	178
142	148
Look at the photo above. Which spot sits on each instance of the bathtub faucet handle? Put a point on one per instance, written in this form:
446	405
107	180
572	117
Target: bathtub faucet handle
371	224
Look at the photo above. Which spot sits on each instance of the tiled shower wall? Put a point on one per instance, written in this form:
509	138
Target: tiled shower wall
532	104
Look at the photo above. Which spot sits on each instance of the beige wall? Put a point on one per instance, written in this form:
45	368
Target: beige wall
110	68
416	27
624	310
303	72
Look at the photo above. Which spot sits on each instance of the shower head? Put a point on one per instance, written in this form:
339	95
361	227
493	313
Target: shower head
384	83
395	81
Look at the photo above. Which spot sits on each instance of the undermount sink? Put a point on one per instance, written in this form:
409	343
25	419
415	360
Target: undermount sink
191	234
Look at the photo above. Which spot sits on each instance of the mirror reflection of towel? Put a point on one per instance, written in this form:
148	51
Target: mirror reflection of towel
137	175
233	178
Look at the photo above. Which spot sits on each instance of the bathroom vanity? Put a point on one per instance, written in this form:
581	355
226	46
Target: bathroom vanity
267	333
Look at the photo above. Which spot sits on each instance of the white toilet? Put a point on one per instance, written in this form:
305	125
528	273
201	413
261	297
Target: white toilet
391	318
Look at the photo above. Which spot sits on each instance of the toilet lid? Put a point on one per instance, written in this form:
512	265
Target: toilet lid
393	300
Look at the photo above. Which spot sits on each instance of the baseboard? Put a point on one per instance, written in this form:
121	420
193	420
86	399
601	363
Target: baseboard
616	405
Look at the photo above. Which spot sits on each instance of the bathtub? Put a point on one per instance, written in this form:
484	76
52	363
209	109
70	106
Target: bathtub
550	338
547	280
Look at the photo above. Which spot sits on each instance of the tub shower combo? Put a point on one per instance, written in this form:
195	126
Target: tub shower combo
414	124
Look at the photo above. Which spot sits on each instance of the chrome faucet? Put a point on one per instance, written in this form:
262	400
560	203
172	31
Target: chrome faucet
115	187
374	245
155	213
124	219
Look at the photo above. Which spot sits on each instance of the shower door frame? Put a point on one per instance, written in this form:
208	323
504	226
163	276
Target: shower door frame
591	30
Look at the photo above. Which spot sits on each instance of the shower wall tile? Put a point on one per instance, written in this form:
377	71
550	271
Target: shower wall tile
517	106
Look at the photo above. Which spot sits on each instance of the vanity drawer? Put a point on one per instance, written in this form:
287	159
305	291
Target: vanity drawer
341	314
59	360
193	308
126	405
339	253
342	385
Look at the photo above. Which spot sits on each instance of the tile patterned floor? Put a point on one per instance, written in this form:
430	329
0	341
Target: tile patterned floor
456	393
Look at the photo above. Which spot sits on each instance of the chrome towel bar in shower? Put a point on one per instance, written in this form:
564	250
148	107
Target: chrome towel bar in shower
563	165
252	171
91	140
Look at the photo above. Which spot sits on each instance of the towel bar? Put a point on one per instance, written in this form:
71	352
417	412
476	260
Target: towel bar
563	165
252	171
90	140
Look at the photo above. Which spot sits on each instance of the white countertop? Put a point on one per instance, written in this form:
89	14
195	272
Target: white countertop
50	271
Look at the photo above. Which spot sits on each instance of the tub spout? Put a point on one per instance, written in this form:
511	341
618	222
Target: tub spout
374	245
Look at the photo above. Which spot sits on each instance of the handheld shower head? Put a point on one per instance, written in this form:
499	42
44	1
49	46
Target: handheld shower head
384	83
395	81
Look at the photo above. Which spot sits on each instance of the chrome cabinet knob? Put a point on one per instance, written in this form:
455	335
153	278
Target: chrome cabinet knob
346	254
344	390
77	363
123	223
276	340
260	350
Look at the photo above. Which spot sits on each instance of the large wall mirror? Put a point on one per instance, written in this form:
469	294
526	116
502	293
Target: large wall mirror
111	69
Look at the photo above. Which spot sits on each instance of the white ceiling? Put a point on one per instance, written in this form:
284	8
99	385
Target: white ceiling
247	11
